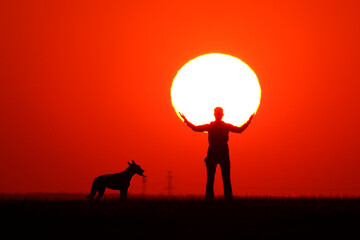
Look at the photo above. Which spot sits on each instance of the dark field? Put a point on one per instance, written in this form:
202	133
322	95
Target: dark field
73	217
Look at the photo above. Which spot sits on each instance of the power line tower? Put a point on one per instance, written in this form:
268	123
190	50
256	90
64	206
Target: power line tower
170	186
144	186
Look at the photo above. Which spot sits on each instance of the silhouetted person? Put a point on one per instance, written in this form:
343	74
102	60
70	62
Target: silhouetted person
218	151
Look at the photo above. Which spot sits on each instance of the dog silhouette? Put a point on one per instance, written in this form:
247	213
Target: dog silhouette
118	181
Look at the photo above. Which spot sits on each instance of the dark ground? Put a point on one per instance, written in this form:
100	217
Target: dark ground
73	217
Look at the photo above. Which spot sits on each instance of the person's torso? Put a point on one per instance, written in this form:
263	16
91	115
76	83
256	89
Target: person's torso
218	136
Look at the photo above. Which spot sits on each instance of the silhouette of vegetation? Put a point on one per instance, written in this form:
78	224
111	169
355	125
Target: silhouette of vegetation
181	218
218	151
117	181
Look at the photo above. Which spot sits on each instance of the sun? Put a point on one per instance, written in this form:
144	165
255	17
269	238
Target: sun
216	80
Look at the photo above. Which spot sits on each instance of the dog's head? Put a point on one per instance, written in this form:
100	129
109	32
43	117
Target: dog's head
136	168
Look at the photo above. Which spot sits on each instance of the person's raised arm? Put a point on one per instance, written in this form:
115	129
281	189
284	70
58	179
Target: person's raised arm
236	129
199	128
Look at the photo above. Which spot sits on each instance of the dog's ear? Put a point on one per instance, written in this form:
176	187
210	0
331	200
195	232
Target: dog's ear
133	162
129	163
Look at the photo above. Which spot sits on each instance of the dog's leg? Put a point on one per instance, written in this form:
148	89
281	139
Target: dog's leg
93	191
100	193
125	193
121	194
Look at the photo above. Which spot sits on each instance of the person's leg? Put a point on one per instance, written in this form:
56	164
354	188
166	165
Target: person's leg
210	169
225	173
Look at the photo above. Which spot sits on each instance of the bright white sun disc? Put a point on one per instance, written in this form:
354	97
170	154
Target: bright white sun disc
216	80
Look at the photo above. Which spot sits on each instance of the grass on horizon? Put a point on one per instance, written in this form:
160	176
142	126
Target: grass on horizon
181	217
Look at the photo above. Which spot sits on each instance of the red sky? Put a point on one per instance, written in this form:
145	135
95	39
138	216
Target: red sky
85	87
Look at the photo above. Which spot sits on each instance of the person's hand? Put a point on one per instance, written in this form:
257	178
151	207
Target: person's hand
183	117
251	117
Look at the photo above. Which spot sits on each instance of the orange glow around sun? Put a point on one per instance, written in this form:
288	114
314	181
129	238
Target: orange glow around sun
213	80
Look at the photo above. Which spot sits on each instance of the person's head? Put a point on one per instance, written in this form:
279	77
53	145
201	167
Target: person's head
218	113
